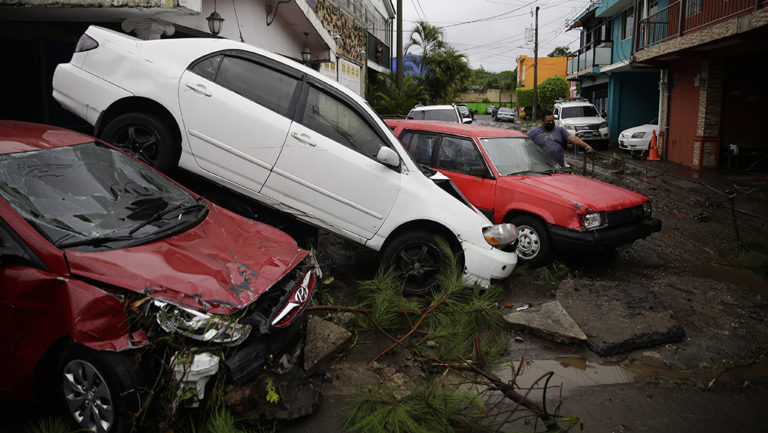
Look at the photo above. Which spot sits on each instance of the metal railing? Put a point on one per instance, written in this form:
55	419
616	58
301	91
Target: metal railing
685	16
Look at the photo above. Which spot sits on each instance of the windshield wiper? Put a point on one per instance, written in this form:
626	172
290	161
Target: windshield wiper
550	171
181	208
95	241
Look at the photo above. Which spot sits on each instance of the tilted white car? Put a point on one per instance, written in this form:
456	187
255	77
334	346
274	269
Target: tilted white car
269	128
638	139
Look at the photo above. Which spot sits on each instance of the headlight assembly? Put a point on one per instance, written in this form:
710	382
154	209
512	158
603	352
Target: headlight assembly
568	126
500	235
198	326
603	125
592	220
638	134
648	208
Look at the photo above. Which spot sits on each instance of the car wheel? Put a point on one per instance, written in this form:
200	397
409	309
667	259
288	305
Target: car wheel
98	389
416	259
533	244
144	136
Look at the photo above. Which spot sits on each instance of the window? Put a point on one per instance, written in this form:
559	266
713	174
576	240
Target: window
627	23
459	155
653	7
13	252
692	7
337	121
258	83
208	67
420	145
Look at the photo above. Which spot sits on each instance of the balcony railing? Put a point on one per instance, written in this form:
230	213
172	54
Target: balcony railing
587	57
670	22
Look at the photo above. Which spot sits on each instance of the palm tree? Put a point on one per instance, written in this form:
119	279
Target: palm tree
429	39
386	99
447	70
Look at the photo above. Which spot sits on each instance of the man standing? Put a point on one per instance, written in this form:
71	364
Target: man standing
551	138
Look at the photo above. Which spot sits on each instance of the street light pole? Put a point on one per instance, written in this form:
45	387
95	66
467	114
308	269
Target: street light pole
400	44
536	65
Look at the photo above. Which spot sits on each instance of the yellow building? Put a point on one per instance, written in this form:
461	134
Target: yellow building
548	67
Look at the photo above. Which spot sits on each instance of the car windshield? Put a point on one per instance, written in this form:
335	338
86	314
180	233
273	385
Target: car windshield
448	115
579	111
95	196
517	156
505	110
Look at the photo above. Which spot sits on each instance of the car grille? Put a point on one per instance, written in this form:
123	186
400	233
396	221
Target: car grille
623	216
592	127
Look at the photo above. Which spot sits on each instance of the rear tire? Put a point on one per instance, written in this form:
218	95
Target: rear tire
99	390
146	137
533	244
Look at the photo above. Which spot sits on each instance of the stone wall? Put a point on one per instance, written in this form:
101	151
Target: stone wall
353	38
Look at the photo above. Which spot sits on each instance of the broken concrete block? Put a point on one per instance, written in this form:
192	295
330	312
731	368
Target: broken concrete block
618	316
652	359
324	341
549	320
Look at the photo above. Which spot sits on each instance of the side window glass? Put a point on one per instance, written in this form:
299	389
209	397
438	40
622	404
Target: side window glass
337	121
11	252
208	67
258	83
420	146
459	155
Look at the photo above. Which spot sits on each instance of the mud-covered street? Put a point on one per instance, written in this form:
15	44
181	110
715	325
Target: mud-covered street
711	380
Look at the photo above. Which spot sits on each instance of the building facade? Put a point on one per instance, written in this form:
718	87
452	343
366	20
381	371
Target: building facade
548	67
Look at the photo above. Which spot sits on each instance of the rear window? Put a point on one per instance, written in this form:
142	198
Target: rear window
446	115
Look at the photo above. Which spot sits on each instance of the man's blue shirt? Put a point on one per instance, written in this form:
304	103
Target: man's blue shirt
552	142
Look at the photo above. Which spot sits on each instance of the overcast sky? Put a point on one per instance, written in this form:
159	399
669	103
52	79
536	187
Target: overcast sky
491	33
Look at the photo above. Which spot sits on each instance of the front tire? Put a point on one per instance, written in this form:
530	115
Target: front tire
533	244
99	390
416	258
146	137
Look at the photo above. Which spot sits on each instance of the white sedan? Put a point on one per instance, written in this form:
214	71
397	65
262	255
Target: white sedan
638	139
276	131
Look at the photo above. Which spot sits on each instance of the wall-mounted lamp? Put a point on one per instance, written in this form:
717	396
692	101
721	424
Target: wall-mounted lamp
306	54
215	21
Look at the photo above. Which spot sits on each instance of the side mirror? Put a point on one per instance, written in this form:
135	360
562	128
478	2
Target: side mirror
556	116
388	157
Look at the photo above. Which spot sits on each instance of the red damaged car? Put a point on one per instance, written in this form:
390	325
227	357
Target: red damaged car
112	276
510	179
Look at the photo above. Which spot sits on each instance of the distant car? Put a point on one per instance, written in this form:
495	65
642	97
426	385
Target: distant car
638	139
505	114
582	119
509	178
465	112
282	134
112	277
445	113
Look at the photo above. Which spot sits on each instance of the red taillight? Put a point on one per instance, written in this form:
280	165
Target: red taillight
85	43
296	302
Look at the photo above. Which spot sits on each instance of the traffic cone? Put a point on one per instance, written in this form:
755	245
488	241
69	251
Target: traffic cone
653	153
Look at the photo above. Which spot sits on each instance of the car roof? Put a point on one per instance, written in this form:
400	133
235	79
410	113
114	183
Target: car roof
24	136
433	107
456	128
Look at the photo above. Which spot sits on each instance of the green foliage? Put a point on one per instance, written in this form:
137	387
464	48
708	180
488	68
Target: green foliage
560	52
551	274
446	70
49	425
386	99
431	407
221	421
550	90
429	39
524	97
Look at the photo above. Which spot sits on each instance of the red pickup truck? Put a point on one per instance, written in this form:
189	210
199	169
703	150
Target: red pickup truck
510	179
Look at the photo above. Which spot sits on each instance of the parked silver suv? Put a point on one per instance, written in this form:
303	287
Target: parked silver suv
582	119
446	113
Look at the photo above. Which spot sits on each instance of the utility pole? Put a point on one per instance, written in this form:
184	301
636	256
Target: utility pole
536	65
399	44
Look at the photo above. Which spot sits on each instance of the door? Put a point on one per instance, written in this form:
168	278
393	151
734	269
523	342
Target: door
237	112
460	159
328	171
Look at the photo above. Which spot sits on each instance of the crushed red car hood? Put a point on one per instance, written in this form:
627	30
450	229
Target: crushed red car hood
222	264
590	193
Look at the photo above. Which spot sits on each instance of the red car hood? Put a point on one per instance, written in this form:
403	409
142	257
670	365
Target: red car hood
593	194
219	266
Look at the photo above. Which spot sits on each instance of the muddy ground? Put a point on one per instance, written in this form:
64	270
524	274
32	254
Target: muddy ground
714	380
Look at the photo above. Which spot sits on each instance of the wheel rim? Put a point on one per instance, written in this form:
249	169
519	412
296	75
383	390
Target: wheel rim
528	242
87	396
139	141
417	263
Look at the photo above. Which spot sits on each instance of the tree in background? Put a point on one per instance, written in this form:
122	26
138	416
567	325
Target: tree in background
446	71
550	90
429	39
386	99
560	52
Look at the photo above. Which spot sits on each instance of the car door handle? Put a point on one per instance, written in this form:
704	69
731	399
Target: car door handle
199	88
304	138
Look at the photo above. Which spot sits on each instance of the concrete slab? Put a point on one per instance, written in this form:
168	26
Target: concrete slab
618	316
324	340
549	320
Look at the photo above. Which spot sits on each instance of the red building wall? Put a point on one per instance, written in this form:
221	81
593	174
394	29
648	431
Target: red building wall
683	111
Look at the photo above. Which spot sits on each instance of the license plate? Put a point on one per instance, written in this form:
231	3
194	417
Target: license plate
586	134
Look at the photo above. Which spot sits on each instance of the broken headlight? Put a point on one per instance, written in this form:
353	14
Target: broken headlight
648	208
500	235
198	326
